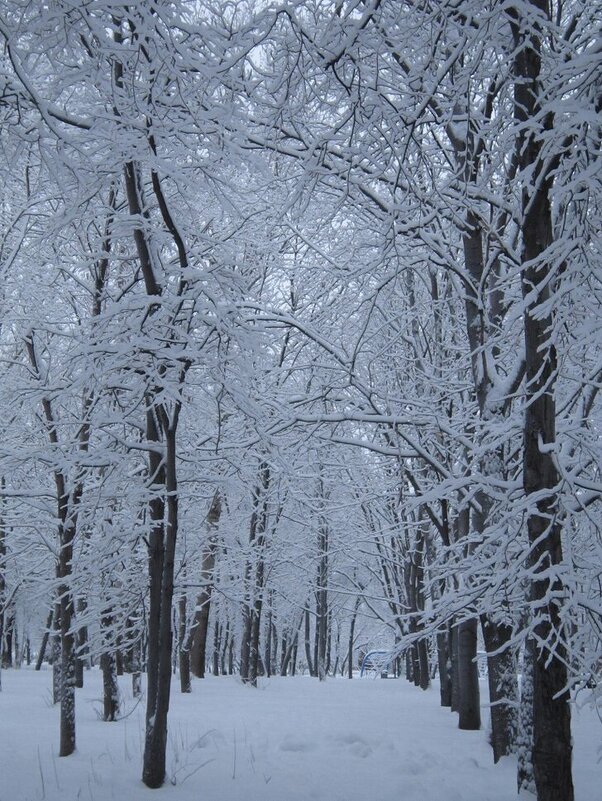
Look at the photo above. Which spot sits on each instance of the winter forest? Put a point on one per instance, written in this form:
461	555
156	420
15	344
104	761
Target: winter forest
301	360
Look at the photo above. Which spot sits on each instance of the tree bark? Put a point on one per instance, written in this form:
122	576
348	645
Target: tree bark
468	676
503	687
161	571
198	645
552	749
183	652
44	643
351	642
444	664
108	666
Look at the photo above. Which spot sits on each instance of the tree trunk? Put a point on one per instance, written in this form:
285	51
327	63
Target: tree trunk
7	638
81	643
352	637
254	580
67	725
162	543
524	738
44	643
289	652
503	686
455	673
468	676
198	645
108	666
322	627
310	664
423	661
217	641
183	652
444	664
552	749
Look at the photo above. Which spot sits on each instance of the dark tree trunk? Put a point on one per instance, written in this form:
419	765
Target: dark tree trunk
294	655
415	665
409	664
67	536
503	686
162	543
231	656
225	646
444	664
81	645
289	656
267	661
217	639
423	661
310	663
455	674
44	643
351	642
245	643
468	674
258	541
552	748
198	645
183	652
320	666
524	738
108	666
7	639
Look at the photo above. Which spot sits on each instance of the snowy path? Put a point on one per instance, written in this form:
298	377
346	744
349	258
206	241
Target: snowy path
291	740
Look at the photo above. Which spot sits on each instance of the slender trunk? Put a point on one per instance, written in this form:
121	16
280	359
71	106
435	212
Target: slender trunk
44	643
81	645
268	644
67	725
455	673
217	637
57	683
198	646
245	644
423	661
108	666
409	664
183	652
226	644
136	669
352	637
469	701
156	723
254	572
310	664
322	616
8	619
231	656
294	655
289	653
444	664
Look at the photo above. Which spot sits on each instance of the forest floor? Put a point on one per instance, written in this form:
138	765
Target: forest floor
292	739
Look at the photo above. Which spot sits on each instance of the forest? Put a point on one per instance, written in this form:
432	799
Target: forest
300	353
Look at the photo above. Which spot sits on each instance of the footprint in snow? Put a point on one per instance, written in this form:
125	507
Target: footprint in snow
296	745
357	745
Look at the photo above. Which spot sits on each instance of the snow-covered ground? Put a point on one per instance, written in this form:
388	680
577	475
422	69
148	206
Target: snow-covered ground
293	739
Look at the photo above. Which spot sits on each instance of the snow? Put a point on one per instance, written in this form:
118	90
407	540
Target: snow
293	739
